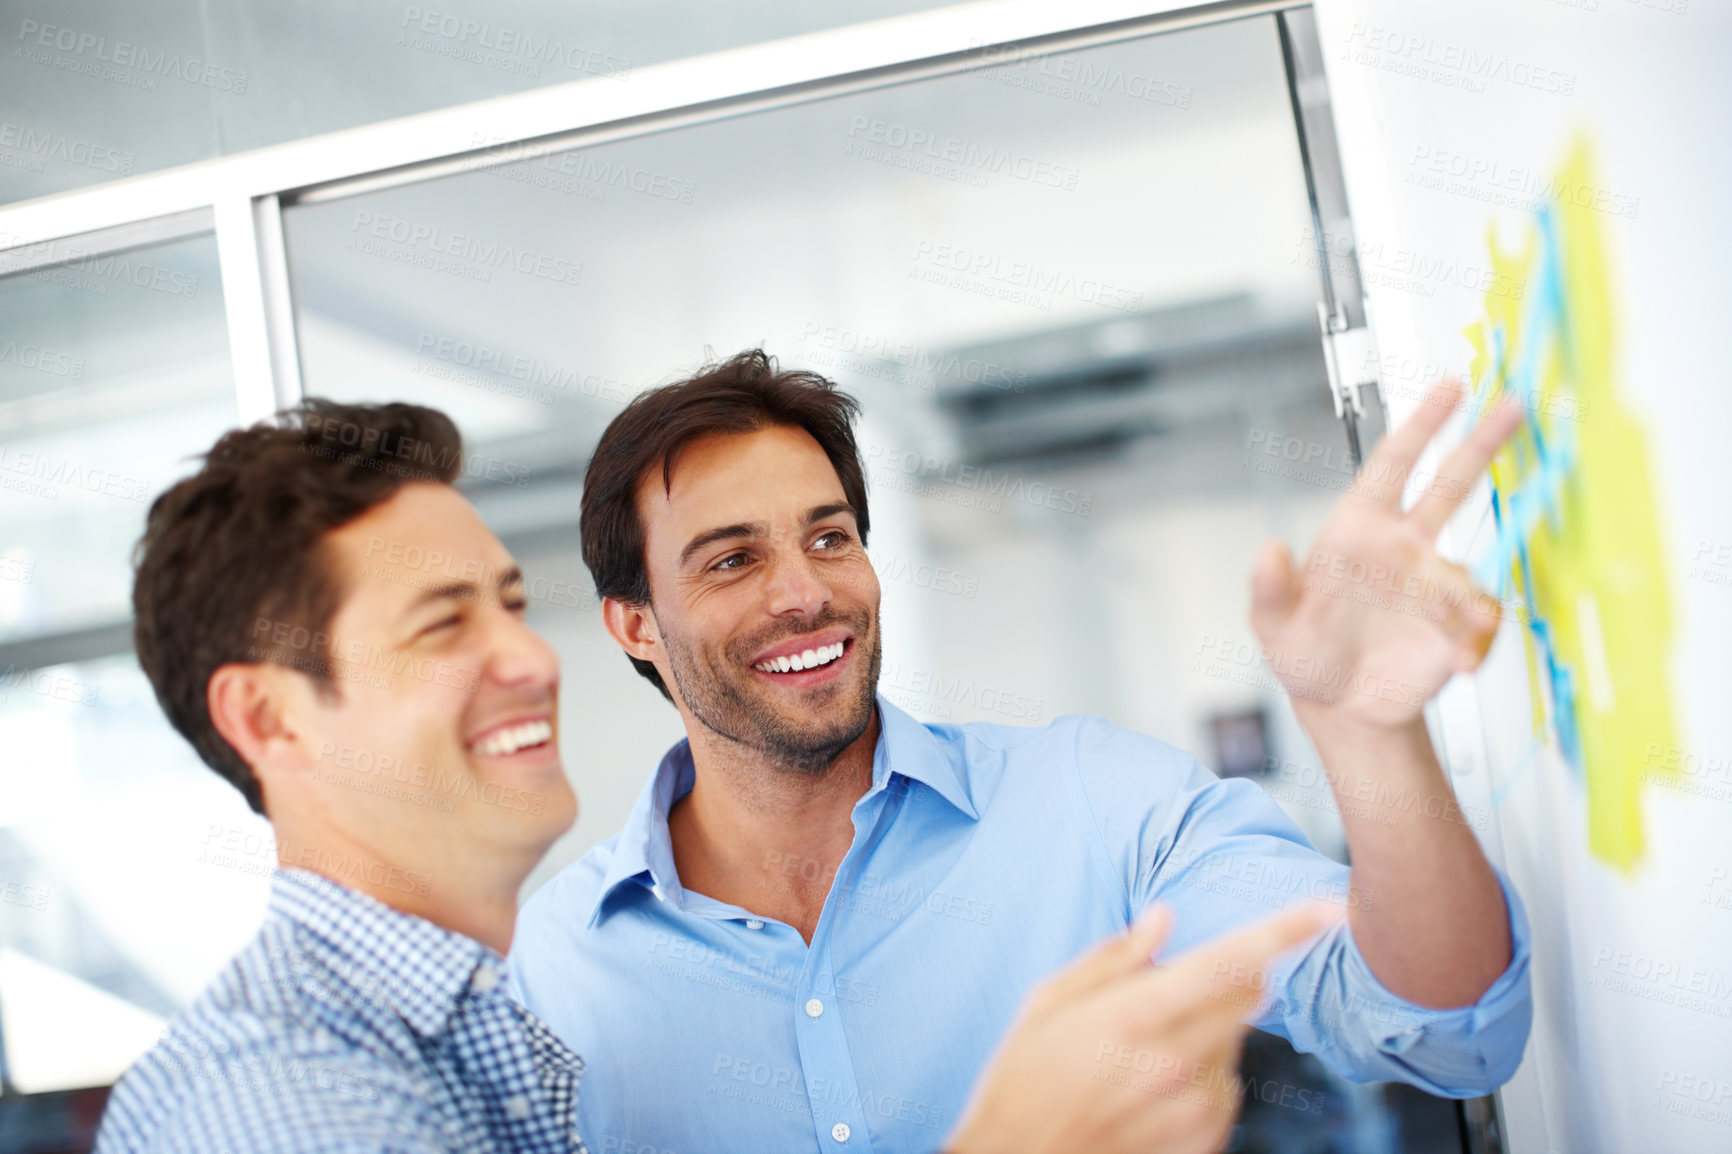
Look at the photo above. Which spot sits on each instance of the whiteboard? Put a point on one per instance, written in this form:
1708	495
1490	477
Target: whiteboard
1454	120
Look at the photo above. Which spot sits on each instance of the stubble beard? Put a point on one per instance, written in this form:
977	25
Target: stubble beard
717	689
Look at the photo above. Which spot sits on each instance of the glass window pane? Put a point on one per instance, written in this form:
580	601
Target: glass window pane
396	59
128	871
99	89
95	90
1075	279
113	369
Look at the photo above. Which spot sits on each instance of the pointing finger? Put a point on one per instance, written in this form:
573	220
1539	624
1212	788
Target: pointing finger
1219	979
1114	958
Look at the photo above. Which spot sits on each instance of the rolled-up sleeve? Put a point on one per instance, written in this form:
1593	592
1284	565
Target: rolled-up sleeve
1223	853
1331	1004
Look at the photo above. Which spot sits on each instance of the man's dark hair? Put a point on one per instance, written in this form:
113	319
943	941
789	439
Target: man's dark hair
741	395
232	566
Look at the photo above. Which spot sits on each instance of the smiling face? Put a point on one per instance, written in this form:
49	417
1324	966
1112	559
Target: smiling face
763	601
440	736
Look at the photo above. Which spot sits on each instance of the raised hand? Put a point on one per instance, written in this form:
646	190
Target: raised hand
1376	621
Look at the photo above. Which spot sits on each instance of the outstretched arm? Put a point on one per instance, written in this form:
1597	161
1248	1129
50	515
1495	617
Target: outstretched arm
1363	636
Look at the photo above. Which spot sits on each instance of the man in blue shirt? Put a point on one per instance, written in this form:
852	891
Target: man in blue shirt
332	627
822	912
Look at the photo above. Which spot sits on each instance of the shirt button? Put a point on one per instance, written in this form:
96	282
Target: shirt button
840	1131
517	1107
754	924
813	1009
485	979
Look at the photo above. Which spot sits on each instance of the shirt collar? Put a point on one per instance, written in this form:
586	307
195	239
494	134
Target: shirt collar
643	852
644	847
406	964
907	747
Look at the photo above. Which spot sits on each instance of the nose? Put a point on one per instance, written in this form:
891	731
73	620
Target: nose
795	584
517	657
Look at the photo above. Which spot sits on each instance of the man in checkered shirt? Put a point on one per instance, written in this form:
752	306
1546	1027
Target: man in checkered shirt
340	637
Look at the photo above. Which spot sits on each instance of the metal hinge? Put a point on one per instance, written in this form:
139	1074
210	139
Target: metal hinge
1350	359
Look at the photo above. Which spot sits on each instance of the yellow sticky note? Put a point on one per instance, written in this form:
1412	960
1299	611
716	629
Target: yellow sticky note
1602	623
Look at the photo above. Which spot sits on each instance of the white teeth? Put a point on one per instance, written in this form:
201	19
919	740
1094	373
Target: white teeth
807	660
509	741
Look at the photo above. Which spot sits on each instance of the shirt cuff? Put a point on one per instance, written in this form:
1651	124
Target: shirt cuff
1366	1033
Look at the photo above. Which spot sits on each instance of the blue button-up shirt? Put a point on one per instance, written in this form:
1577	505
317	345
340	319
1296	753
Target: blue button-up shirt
348	1027
984	858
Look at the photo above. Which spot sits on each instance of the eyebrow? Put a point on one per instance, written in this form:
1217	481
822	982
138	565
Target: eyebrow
749	529
462	590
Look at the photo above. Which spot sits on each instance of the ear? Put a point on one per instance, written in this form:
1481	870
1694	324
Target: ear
246	705
633	627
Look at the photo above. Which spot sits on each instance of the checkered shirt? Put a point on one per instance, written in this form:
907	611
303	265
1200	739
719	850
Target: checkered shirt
348	1027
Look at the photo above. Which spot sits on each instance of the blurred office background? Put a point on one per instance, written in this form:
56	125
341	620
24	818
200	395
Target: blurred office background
1076	294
